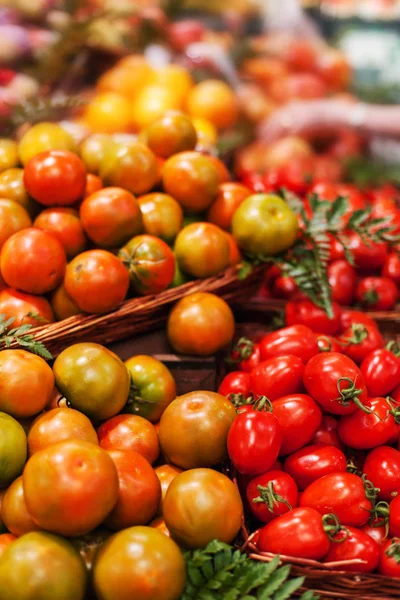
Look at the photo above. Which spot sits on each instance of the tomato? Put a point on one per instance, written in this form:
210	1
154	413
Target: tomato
376	530
327	433
110	217
335	382
150	263
194	429
55	178
14	512
200	324
185	32
64	223
47	564
382	467
334	68
12	187
150	565
342	279
254	441
327	168
172	133
84	487
304	312
363	430
277	377
62	304
130	432
336	249
371	256
298	86
25	309
284	287
389	563
351	543
271	495
162	216
92	150
229	198
264	225
43	137
13	218
350	317
327	343
299	417
215	101
296	340
340	493
33	261
131	166
391	268
394	516
97	281
377	293
313	462
139	490
165	474
8	154
93	379
360	340
57	425
246	354
299	532
13	449
235	386
202	250
93	184
5	540
202	505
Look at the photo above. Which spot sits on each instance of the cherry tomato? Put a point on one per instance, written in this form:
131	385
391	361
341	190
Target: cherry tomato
313	462
378	293
277	377
65	224
391	268
371	256
305	312
299	417
230	196
172	133
359	340
254	441
202	250
394	517
381	371
335	382
297	340
271	495
351	543
162	216
246	354
343	494
327	433
235	386
130	432
13	218
131	166
342	279
389	561
327	343
363	430
382	468
350	317
25	309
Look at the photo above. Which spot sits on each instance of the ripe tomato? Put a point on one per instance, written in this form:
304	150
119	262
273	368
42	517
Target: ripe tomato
327	343
313	462
304	312
352	317
50	564
299	532
33	261
139	491
200	324
215	101
363	430
335	382
343	494
342	279
394	517
84	487
100	391
13	218
235	386
130	432
202	505
5	540
202	250
97	281
43	137
297	340
391	268
162	216
93	184
172	133
378	293
13	449
131	166
14	512
271	495
65	224
55	178
299	417
150	263
327	433
389	563
62	304
277	377
351	543
371	256
284	287
360	340
246	354
165	474
376	530
149	565
194	429
382	467
25	309
230	196
57	425
12	187
254	441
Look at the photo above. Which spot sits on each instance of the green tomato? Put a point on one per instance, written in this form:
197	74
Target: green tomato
13	449
264	225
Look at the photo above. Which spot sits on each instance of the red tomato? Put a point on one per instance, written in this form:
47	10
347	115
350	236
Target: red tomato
299	417
381	371
364	430
382	468
327	433
55	178
350	317
394	517
327	168
378	293
371	256
335	382
389	560
391	268
340	493
277	377
325	190
235	386
64	223
336	249
299	532
305	312
327	343
297	340
313	462
342	279
347	145
93	184
297	86
284	287
376	530
360	340
25	308
246	354
271	495
254	441
296	174
351	543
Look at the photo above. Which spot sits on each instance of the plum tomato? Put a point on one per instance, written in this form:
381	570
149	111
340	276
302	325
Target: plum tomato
65	224
304	312
371	256
382	468
377	293
351	543
327	343
359	340
389	563
327	433
394	517
246	354
391	268
162	216
25	309
313	462
343	280
271	494
299	417
277	377
350	317
202	250
130	432
235	386
297	340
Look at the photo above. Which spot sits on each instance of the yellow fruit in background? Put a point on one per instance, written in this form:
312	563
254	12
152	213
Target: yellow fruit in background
176	78
128	77
214	100
42	137
108	112
207	134
151	103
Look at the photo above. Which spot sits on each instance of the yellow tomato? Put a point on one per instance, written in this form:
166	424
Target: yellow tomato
214	100
151	103
42	137
108	112
176	78
128	77
207	134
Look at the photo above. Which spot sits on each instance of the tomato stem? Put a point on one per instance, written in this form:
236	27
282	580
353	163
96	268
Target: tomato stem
394	410
393	347
332	527
380	516
371	491
243	349
359	334
394	550
269	497
239	400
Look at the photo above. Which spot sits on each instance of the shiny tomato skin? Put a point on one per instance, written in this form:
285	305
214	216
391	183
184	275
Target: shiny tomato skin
297	340
25	309
13	218
298	533
247	364
327	343
359	340
389	565
357	544
322	377
277	377
166	474
339	493
14	512
65	224
391	268
350	317
363	431
33	261
284	287
342	279
162	216
327	433
236	382
394	517
313	462
130	432
55	178
202	250
230	196
371	256
377	293
13	449
254	442
281	484
299	417
305	312
382	468
376	531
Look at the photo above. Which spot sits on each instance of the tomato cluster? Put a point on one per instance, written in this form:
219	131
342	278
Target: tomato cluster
316	440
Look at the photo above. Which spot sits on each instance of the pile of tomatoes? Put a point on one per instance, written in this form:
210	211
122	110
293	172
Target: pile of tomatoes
316	439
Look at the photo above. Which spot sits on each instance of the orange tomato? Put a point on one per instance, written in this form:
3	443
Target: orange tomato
162	216
62	305
130	432
165	474
25	309
173	132
65	224
202	249
108	112
215	101
14	512
128	77
230	196
235	256
131	166
151	103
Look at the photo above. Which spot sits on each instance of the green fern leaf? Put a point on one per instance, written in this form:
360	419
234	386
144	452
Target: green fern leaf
309	595
274	582
288	588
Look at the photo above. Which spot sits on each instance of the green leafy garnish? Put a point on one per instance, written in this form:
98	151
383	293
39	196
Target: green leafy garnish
21	336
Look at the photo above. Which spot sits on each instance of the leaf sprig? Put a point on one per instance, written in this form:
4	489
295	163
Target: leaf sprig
21	336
